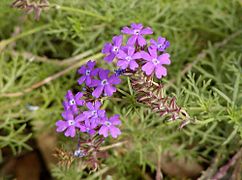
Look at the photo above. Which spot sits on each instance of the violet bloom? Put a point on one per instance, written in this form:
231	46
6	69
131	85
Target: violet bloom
72	101
128	59
108	126
161	44
104	84
94	114
87	72
111	50
69	124
137	31
155	63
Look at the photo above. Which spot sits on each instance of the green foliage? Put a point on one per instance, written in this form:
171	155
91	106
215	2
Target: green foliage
211	91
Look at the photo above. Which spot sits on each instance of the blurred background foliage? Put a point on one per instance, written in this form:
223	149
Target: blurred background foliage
38	63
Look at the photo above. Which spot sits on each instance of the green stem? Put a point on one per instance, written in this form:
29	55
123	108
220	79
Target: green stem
81	11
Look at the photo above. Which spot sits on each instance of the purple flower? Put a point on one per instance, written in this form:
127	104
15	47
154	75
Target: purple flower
161	44
111	50
137	31
155	63
87	72
104	84
69	124
95	113
72	101
108	126
128	59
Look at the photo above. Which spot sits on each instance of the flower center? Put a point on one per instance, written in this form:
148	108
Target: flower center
72	102
88	72
136	31
115	49
104	82
160	46
71	122
94	113
155	61
128	58
107	123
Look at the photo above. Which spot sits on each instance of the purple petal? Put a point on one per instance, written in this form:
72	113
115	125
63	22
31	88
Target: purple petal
148	68
61	125
103	74
95	82
136	56
101	113
82	69
153	42
110	57
81	80
160	71
109	90
122	64
90	106
121	54
136	26
97	92
164	58
161	40
69	95
80	117
79	101
133	65
132	40
147	30
153	52
114	132
115	120
88	80
114	79
141	40
66	105
117	40
82	128
127	30
131	50
145	56
97	105
71	131
107	48
103	131
91	64
67	115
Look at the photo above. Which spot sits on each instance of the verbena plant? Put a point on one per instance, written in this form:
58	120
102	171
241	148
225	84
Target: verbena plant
210	91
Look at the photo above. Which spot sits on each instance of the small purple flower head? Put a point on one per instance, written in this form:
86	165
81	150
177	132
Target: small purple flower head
94	114
155	63
72	101
137	31
161	44
108	126
87	71
112	49
128	59
69	124
104	84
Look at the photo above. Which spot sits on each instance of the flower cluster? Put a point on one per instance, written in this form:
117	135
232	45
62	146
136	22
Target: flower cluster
139	59
82	111
138	52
